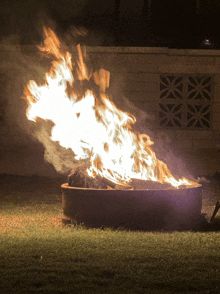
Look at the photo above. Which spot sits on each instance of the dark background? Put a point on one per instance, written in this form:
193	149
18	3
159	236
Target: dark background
171	23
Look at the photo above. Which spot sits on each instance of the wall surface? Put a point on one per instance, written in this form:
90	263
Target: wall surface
176	92
139	71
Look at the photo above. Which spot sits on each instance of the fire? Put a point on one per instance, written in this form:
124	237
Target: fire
99	132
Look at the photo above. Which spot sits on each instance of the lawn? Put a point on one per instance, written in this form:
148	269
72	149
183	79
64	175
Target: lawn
39	255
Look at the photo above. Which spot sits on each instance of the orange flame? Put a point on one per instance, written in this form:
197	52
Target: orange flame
99	131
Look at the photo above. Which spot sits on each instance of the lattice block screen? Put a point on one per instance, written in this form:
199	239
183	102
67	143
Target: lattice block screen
185	101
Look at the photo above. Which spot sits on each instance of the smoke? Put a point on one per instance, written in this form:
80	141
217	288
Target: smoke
21	61
20	64
165	148
61	158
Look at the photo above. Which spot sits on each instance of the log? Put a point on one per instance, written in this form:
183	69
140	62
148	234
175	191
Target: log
113	185
149	185
80	178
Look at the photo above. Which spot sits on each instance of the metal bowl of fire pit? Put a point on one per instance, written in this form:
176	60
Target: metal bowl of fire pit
161	209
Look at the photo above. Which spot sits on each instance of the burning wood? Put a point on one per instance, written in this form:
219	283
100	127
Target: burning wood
149	185
116	186
79	178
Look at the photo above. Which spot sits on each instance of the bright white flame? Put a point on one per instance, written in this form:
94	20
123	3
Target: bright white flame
91	125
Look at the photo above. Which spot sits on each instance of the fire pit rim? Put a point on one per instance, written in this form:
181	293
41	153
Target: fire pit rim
66	186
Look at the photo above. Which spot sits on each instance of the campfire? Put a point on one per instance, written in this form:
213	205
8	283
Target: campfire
108	158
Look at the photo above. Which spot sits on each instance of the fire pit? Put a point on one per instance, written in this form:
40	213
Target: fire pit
169	209
91	136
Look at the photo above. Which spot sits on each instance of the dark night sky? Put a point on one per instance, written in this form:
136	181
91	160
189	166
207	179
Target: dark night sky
172	23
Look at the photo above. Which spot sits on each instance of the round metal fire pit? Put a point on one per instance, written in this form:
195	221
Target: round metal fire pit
170	209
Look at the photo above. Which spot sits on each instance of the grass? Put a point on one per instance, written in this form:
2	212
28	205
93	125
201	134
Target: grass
39	255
